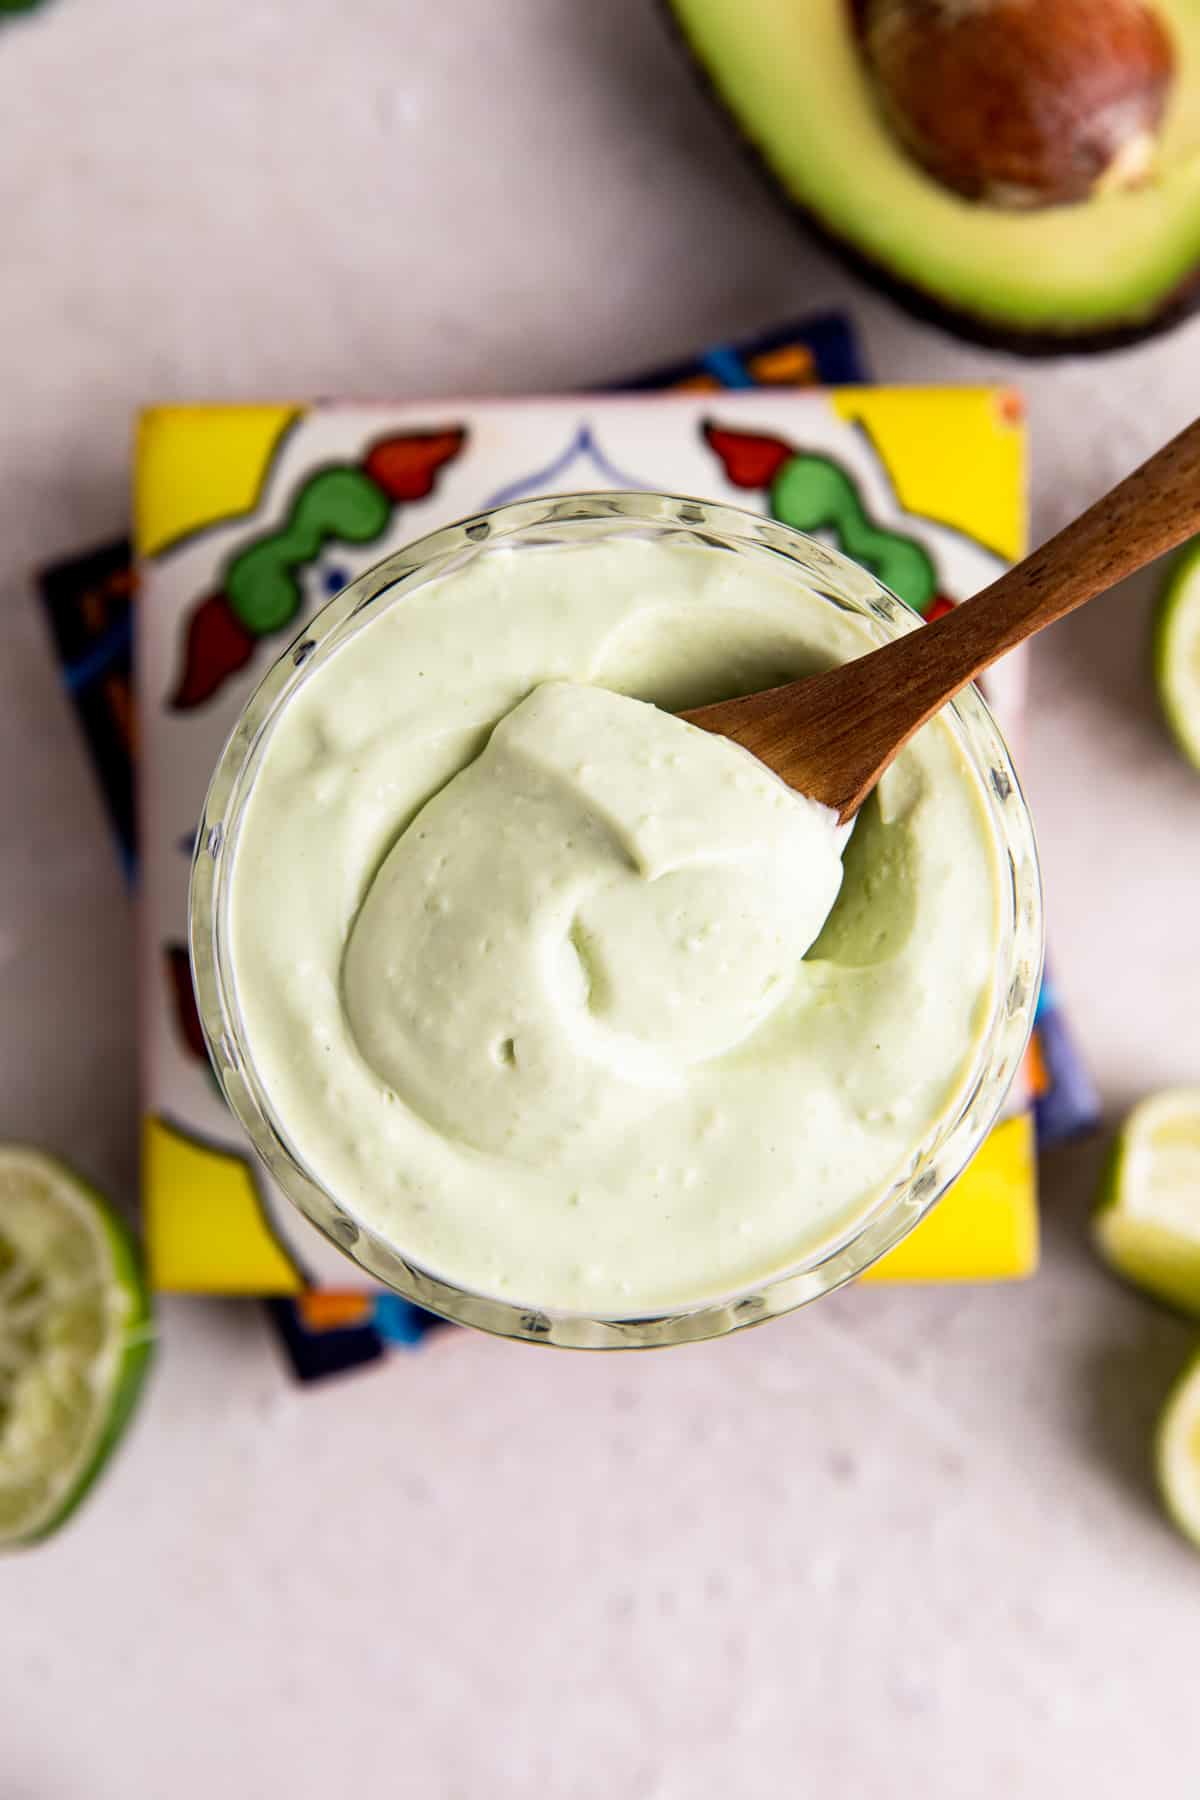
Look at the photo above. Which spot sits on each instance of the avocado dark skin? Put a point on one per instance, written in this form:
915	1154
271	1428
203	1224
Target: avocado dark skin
1033	344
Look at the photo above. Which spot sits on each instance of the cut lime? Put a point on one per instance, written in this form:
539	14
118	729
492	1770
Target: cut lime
1177	652
75	1339
1147	1222
1177	1452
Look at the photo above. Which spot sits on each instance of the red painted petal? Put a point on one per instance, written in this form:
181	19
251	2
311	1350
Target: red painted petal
187	1016
751	461
216	646
406	466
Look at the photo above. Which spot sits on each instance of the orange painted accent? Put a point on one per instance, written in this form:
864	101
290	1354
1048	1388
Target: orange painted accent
326	1312
1010	404
791	364
1036	1073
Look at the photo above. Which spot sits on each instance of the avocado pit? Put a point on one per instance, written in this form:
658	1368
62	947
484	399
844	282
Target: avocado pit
1022	103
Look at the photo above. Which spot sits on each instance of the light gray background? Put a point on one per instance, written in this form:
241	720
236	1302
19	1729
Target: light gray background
902	1543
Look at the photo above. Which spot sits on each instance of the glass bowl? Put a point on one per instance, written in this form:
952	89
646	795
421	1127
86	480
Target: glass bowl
528	526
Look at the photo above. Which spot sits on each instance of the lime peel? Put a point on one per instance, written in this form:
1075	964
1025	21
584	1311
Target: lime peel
1147	1222
1176	652
75	1340
1177	1452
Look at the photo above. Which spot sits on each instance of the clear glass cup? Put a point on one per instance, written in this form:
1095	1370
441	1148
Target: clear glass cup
527	528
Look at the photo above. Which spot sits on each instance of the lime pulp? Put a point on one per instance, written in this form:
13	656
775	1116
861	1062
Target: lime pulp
75	1339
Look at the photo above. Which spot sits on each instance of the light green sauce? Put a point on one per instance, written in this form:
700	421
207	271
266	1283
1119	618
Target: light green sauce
569	1000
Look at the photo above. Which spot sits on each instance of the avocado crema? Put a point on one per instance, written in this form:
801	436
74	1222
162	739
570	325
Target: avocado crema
893	125
576	1004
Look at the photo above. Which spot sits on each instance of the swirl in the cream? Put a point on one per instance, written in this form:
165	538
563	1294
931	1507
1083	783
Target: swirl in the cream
604	898
521	961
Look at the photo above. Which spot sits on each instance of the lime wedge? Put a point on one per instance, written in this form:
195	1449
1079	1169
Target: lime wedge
1147	1222
1176	650
75	1339
1177	1452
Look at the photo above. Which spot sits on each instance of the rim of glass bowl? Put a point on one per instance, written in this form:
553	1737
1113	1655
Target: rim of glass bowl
581	518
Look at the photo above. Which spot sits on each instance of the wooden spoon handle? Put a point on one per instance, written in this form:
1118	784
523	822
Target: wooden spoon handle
902	685
833	735
1148	513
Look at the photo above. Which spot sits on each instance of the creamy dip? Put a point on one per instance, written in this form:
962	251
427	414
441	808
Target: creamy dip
576	1004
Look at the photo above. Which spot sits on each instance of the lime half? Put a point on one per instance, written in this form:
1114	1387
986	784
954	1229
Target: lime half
75	1339
1147	1223
1177	652
1178	1452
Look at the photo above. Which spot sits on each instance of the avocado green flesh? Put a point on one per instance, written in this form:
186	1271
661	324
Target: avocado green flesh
793	78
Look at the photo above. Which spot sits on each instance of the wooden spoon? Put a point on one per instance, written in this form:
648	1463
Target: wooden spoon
832	736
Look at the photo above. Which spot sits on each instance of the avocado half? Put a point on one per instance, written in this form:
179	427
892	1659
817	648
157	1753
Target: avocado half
1106	270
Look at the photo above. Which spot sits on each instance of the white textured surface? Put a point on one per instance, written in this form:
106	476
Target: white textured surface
903	1543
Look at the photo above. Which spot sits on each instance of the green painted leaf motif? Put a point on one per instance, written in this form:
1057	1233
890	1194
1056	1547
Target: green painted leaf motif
813	493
